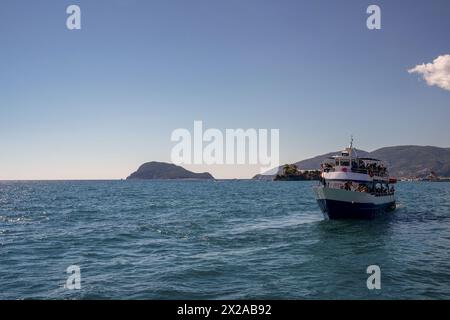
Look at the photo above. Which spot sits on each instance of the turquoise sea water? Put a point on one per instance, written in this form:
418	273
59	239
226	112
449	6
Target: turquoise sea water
216	240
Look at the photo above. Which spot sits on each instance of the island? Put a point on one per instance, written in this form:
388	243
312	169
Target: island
291	172
166	171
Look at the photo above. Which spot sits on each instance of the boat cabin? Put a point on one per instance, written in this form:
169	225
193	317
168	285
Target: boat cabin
348	161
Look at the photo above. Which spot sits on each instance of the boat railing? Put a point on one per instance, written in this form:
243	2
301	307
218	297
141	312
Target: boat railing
378	173
375	192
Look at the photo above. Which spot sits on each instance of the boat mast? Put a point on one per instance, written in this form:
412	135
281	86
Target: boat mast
351	149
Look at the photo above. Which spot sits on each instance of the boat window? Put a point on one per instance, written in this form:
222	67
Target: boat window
345	163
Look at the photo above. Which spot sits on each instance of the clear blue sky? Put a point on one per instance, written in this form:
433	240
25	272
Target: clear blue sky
98	102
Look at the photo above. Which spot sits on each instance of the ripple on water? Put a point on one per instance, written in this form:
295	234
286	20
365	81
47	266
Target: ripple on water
224	240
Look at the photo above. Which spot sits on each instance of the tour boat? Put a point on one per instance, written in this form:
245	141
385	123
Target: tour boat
354	187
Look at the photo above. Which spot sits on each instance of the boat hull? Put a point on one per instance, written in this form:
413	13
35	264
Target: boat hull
343	204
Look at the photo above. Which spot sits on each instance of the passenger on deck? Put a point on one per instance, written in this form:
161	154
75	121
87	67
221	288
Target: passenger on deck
362	188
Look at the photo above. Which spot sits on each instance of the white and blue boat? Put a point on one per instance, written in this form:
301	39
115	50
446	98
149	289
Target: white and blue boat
355	187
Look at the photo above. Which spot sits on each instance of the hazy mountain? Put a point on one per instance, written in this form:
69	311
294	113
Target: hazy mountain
403	161
166	171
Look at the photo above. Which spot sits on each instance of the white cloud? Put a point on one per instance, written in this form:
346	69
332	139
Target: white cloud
436	73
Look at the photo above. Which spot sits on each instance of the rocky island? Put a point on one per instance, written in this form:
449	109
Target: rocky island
290	172
166	171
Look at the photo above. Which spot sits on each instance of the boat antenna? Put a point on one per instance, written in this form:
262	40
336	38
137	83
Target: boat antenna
351	146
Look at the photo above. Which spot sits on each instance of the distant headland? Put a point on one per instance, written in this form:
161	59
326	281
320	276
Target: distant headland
166	171
408	162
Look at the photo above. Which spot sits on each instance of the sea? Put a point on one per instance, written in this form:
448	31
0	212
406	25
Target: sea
216	240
